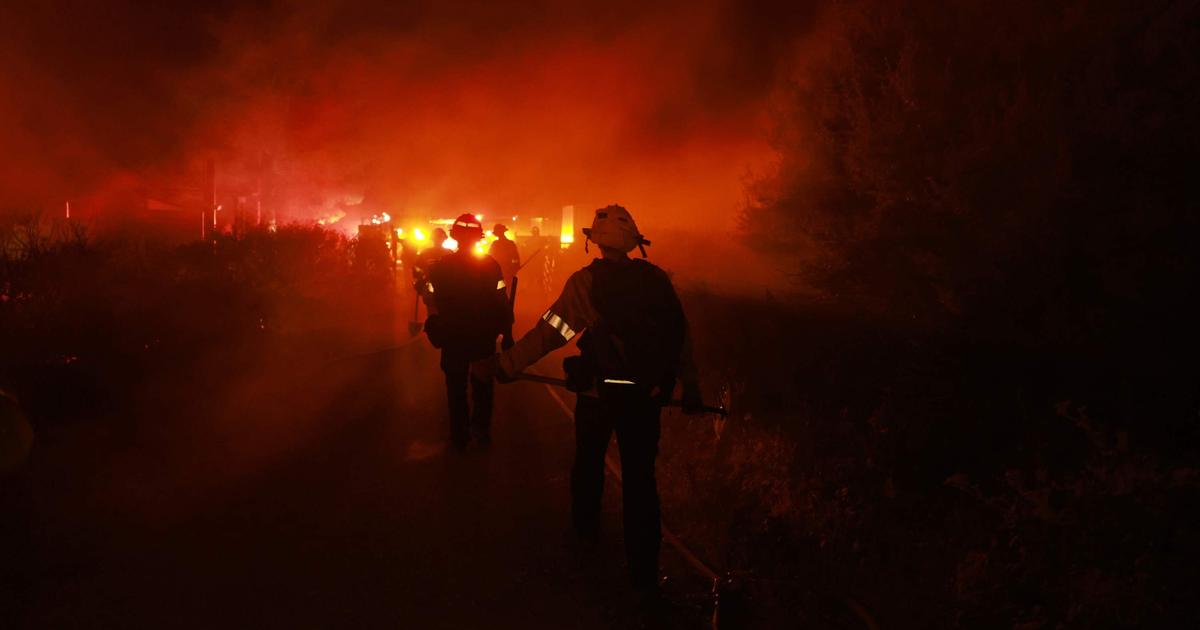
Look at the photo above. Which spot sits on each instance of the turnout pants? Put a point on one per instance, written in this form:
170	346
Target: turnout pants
475	417
635	420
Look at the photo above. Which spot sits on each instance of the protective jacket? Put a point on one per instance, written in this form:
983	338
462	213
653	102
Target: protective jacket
469	305
636	331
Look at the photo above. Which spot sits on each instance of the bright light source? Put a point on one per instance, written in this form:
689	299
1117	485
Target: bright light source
567	234
419	234
450	244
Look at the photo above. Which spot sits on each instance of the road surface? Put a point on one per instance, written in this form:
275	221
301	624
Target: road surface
316	496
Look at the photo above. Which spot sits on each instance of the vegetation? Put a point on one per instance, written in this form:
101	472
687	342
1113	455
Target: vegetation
984	411
94	318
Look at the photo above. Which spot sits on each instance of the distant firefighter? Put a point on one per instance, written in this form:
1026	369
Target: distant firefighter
634	349
425	261
468	310
504	251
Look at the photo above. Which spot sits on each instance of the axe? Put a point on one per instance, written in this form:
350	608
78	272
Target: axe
414	326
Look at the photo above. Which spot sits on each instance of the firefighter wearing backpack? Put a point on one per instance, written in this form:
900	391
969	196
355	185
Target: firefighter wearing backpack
627	320
468	311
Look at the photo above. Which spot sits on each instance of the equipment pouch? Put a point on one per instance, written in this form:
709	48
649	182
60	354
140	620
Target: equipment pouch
433	330
581	376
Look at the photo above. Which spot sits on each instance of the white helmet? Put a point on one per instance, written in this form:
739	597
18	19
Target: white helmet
613	227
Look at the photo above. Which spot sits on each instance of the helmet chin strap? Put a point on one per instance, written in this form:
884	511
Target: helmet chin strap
642	243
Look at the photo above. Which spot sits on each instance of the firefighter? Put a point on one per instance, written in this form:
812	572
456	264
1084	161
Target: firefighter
505	253
468	310
425	261
630	327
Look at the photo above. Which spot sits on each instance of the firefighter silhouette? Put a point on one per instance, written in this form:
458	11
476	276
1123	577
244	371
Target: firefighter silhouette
425	260
468	311
504	251
632	333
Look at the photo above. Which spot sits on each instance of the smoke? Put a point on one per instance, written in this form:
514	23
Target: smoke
414	106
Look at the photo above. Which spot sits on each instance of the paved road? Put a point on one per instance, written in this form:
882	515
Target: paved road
316	498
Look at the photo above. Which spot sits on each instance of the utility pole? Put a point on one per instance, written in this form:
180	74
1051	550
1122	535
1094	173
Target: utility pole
212	191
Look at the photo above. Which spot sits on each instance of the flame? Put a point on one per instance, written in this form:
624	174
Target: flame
450	244
419	235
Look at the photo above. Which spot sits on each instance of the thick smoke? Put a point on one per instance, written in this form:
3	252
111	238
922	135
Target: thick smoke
415	107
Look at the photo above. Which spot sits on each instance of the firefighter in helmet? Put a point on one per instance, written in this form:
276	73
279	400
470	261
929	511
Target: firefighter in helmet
630	327
504	250
468	310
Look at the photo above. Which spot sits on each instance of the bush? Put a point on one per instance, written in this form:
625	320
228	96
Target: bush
95	318
990	411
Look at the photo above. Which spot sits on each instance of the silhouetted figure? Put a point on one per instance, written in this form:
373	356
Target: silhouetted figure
504	251
468	311
635	347
543	272
425	261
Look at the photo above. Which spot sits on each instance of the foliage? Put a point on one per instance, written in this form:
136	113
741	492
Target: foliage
935	484
93	317
987	416
1020	165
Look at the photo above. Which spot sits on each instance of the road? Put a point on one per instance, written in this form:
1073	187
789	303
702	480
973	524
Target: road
317	497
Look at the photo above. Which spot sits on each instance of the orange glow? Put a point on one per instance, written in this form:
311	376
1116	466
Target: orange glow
423	118
332	218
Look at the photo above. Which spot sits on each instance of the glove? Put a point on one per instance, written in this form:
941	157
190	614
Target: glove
580	376
489	369
662	395
693	403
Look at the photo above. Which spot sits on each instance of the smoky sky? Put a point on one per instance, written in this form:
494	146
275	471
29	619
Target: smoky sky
422	106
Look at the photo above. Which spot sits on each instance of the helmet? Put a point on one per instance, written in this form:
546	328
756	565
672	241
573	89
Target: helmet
439	236
499	229
466	229
613	227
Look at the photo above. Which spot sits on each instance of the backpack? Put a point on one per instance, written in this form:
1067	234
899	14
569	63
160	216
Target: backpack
639	334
